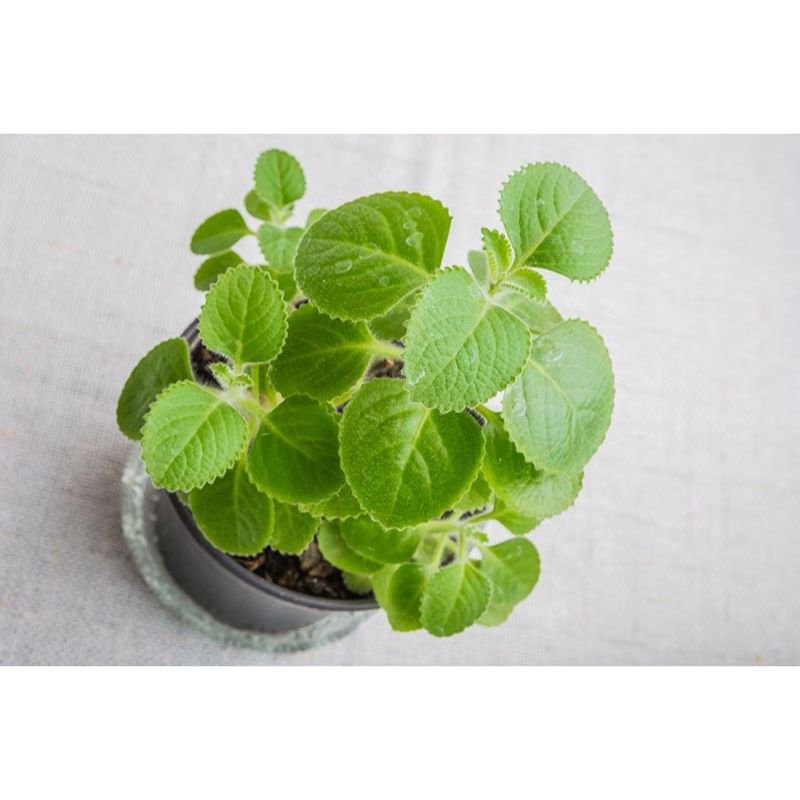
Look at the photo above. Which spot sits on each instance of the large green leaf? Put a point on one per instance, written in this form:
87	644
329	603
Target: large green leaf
406	463
339	553
362	258
518	523
555	221
295	454
398	589
191	436
219	232
513	569
461	348
373	541
454	598
279	178
233	514
278	245
213	267
164	365
293	529
558	410
518	483
323	356
244	316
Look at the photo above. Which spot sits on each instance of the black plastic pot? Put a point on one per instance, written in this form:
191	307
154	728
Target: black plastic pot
221	585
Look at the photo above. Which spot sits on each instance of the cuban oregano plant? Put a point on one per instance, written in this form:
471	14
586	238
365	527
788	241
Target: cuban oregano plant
395	476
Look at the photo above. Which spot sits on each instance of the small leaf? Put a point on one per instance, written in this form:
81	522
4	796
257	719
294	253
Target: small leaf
213	267
454	598
519	524
555	221
498	251
362	258
518	483
256	207
339	553
342	504
279	178
406	463
479	266
527	281
372	541
279	245
558	410
461	349
293	530
477	496
219	232
322	356
513	569
359	584
314	215
244	316
191	436
286	283
391	326
165	364
537	316
295	454
233	514
399	589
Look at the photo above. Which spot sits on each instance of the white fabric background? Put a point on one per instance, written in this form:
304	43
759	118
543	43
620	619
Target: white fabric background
684	546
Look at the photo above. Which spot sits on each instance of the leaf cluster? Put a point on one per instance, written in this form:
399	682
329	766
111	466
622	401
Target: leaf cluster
295	437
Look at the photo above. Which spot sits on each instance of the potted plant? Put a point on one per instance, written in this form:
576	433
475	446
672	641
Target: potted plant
323	430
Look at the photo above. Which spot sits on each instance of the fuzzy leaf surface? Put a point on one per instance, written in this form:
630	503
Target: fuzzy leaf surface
398	589
213	267
191	436
477	496
279	178
219	232
537	316
558	410
392	325
322	356
528	281
278	245
293	529
373	541
256	207
339	553
519	524
233	514
295	454
498	252
555	221
479	267
454	598
363	257
406	463
342	504
519	483
165	364
513	569
461	348
244	316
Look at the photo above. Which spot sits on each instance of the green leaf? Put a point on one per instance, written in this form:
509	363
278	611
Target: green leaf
372	541
461	348
322	356
339	553
295	454
392	325
232	514
208	272
479	266
406	463
314	215
454	598
399	589
279	178
512	567
362	258
498	251
256	207
555	221
360	584
519	524
278	245
527	281
537	316
219	232
518	483
164	365
191	436
495	614
477	496
558	410
342	504
286	283
244	316
293	529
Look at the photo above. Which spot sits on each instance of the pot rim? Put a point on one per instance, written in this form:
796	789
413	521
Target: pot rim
192	337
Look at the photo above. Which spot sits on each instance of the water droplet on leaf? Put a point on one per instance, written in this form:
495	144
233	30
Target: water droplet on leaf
343	266
415	240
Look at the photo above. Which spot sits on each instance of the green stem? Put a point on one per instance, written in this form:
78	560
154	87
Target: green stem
387	349
255	374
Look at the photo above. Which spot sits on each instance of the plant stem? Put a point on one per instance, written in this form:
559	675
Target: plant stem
387	349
